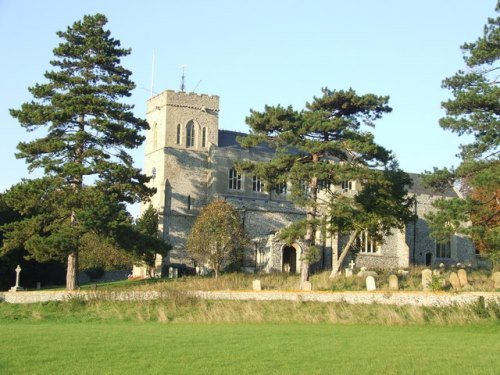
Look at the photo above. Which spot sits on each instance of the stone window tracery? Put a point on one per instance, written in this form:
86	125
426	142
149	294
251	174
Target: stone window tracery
257	184
367	244
190	134
443	250
234	180
280	188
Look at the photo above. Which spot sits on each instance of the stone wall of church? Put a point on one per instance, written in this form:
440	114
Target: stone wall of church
420	243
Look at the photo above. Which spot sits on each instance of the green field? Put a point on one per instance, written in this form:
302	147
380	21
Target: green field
154	348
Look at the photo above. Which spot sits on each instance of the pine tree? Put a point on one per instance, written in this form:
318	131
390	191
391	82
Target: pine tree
474	111
324	146
84	152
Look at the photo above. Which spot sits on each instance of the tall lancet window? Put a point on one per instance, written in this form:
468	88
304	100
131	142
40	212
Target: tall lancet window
204	137
178	134
190	134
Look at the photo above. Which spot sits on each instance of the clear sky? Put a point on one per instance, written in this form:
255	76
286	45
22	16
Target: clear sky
258	52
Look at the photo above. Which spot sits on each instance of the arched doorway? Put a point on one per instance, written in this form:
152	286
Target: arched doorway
428	259
289	263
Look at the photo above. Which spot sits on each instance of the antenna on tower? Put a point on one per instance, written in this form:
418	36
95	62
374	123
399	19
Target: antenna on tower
197	85
183	78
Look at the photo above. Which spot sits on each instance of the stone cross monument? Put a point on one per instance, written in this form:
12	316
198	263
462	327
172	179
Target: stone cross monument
17	287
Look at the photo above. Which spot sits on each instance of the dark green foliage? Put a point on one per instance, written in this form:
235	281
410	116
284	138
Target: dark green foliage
325	145
474	111
150	243
89	174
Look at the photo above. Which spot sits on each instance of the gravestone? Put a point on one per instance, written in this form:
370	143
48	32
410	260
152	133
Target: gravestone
348	272
393	282
462	277
370	283
17	287
454	281
496	279
426	279
256	285
170	272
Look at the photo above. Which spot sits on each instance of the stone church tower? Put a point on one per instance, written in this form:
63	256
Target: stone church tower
183	127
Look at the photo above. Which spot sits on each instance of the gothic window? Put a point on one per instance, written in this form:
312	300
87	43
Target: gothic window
234	180
280	188
443	250
257	184
189	203
178	134
204	137
190	134
346	185
366	244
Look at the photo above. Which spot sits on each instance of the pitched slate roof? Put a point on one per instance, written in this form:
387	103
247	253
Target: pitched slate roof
227	139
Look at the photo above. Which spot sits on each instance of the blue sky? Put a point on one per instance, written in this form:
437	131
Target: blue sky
258	52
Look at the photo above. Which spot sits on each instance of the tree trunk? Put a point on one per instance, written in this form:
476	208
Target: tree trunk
71	280
345	250
304	271
310	238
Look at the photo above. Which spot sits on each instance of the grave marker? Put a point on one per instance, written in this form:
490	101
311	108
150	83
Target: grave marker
426	279
462	277
393	282
454	281
370	283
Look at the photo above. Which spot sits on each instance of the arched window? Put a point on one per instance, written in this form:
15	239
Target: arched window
204	137
190	134
178	134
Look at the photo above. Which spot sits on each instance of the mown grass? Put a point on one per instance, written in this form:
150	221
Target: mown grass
147	348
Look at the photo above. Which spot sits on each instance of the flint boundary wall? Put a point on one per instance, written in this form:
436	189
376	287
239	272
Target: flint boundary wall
379	297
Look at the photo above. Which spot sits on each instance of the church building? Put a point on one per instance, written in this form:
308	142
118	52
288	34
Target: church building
191	162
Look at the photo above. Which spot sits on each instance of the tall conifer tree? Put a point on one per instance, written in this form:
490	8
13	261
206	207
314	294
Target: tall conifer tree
88	171
325	145
474	110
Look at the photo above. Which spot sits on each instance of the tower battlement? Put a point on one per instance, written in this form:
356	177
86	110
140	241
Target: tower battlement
171	98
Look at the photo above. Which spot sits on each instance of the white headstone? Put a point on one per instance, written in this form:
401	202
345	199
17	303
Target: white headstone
348	272
454	281
496	279
426	279
462	277
370	283
351	264
393	282
256	285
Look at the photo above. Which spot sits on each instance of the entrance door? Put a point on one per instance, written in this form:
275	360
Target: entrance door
289	260
428	259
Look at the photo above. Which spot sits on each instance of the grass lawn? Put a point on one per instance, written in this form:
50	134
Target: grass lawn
152	348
